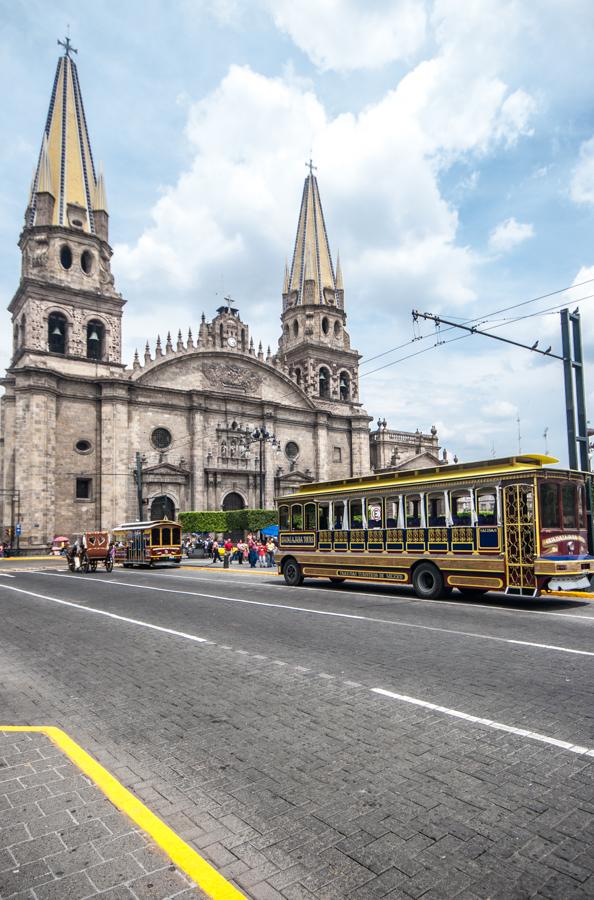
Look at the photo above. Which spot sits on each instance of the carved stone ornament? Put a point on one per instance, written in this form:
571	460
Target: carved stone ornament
234	378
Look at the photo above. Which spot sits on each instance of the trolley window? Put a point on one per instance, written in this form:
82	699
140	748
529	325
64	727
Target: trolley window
462	508
176	535
155	536
166	536
549	505
568	504
296	517
413	511
392	512
356	516
339	511
487	508
436	510
581	507
323	516
310	517
283	517
375	513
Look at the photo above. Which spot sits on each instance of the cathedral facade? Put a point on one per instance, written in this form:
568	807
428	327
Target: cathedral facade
203	421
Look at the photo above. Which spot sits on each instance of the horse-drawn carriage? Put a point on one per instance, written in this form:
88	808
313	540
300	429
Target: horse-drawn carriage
90	549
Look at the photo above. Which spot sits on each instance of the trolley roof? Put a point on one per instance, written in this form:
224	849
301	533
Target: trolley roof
128	526
505	466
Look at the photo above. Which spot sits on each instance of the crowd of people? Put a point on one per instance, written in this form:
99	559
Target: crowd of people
252	551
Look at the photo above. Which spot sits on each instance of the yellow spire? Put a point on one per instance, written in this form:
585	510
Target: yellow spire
65	161
100	198
44	175
312	250
339	284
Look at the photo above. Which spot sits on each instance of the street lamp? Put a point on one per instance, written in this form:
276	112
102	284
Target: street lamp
261	436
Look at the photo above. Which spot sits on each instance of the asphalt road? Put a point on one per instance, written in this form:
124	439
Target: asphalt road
324	742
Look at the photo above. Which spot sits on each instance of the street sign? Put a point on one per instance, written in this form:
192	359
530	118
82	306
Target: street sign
17	530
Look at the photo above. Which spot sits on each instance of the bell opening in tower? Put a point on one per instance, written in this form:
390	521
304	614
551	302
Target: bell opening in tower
57	329
95	336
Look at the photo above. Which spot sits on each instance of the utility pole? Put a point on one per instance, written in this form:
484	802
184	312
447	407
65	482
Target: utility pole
138	479
575	396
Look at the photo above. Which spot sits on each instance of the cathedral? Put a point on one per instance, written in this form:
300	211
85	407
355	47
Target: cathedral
199	421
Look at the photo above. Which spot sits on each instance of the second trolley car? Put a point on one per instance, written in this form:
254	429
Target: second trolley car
148	543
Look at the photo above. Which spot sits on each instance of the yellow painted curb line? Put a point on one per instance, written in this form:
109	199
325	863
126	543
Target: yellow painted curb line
4	559
190	862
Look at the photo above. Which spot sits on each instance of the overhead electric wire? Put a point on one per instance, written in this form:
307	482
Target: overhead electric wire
477	318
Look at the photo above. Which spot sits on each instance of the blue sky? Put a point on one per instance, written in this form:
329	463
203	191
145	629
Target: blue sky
455	153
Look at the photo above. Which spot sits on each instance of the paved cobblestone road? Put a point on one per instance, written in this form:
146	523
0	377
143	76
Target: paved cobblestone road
245	714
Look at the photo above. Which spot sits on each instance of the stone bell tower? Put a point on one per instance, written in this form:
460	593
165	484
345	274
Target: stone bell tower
66	304
314	343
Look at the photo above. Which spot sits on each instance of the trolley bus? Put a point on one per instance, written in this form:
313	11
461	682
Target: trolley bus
147	543
511	525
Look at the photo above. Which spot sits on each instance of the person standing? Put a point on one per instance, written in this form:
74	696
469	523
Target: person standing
270	551
253	555
215	551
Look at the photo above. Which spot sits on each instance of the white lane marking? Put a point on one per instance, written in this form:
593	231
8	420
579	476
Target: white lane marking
339	615
520	732
102	612
489	723
5	575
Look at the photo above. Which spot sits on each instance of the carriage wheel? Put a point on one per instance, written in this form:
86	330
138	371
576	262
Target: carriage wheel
93	565
71	564
84	563
109	564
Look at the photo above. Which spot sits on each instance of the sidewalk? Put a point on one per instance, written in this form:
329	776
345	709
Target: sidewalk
60	837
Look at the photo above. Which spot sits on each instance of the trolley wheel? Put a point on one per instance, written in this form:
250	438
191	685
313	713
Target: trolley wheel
337	580
109	564
84	564
94	565
428	581
292	573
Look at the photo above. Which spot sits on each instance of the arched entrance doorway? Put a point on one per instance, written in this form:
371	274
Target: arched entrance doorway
162	507
233	501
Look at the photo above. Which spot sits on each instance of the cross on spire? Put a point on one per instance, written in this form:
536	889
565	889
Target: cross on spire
68	48
311	166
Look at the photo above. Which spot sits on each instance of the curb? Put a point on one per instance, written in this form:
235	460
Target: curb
184	857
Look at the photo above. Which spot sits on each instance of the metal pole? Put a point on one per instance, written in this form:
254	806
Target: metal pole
582	437
12	529
17	496
139	486
580	395
569	397
261	472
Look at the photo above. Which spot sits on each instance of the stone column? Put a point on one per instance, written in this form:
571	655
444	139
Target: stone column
321	446
35	460
197	454
118	490
360	463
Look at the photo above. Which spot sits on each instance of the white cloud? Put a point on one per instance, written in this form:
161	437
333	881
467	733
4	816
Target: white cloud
509	234
346	34
582	180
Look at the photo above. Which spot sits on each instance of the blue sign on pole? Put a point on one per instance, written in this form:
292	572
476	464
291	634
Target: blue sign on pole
17	529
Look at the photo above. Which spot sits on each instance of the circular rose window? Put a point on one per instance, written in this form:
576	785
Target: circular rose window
291	450
161	438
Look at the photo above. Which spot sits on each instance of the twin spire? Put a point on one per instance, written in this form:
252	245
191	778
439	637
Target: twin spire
66	169
312	260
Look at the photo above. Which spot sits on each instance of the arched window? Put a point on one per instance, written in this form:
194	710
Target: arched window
345	386
57	333
325	325
221	335
23	335
298	376
324	382
233	500
243	338
296	328
95	340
